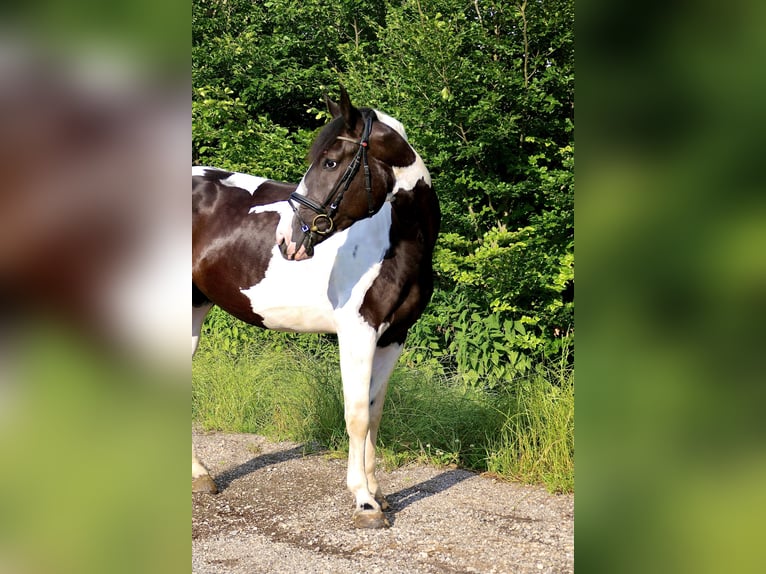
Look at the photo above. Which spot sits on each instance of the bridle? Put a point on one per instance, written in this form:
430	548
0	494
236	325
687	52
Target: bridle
326	210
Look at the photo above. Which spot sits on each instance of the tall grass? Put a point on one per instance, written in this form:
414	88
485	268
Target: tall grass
285	393
522	430
536	440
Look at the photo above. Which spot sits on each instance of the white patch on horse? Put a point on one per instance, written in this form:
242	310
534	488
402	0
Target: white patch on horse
302	189
356	345
321	293
239	180
280	207
198	317
393	123
244	181
407	177
382	328
284	227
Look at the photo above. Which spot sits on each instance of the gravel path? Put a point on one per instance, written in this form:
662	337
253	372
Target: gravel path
280	510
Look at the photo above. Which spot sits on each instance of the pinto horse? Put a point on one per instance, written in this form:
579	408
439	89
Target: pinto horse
348	251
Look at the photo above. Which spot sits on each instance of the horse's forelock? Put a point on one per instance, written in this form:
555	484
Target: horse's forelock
325	139
331	131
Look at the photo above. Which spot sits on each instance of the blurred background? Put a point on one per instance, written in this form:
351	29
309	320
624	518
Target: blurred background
671	230
94	242
671	233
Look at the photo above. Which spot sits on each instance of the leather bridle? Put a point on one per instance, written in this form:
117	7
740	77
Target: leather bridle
323	223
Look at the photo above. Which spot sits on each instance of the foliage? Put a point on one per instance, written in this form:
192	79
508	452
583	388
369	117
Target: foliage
282	391
485	91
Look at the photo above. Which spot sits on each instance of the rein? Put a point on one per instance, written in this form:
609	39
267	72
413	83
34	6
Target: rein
329	206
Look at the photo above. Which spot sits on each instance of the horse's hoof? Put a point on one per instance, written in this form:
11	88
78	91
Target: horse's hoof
370	519
384	505
204	483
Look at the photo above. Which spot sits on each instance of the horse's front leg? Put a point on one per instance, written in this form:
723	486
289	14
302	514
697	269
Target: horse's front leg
382	366
357	349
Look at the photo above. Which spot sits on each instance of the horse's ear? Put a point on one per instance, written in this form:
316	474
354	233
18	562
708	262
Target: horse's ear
344	108
332	107
350	113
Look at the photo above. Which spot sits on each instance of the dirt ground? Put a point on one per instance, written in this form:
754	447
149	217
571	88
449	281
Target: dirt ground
281	510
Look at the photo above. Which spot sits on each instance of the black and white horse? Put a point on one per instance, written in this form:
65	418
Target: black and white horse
348	251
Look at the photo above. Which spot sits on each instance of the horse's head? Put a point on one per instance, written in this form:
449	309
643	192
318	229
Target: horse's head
350	176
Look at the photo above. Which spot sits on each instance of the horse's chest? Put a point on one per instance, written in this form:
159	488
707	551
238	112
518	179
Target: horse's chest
317	294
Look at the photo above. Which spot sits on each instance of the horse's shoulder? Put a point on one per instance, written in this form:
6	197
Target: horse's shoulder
417	211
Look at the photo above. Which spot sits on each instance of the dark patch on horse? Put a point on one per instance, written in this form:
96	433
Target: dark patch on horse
271	192
404	286
222	225
393	149
198	297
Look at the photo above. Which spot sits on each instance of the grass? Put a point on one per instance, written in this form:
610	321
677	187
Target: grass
536	441
523	432
282	393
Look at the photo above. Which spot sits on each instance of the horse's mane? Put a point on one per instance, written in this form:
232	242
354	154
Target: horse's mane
329	134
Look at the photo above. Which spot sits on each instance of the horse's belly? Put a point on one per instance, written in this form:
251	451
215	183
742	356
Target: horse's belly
298	319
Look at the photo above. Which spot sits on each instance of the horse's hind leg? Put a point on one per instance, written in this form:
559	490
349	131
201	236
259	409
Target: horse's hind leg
382	366
198	317
201	479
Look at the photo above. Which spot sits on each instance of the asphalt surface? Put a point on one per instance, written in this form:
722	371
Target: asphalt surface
281	509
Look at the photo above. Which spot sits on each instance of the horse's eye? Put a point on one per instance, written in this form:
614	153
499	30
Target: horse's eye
330	164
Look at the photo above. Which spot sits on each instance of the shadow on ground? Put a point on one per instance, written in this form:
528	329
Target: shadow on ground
225	478
398	500
412	494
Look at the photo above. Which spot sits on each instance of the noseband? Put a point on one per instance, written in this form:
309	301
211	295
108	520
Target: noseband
326	210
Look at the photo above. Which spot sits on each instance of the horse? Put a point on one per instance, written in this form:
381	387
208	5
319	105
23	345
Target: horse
347	251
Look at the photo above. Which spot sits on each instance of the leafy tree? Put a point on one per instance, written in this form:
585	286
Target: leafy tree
485	91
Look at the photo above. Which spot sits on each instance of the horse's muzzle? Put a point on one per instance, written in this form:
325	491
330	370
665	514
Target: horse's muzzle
293	252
